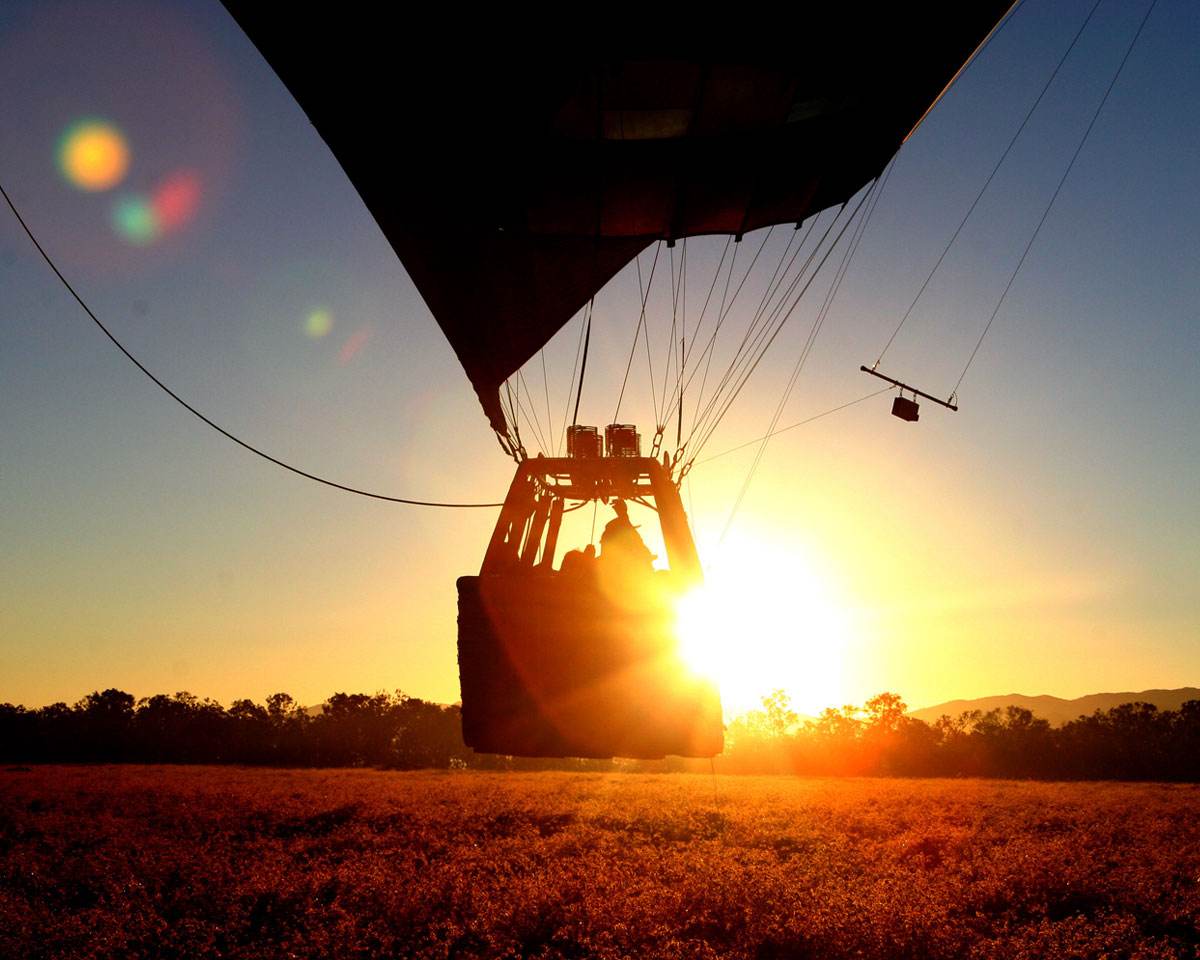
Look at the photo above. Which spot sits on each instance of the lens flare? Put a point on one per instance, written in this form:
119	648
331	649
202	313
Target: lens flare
354	343
318	323
176	200
135	220
93	155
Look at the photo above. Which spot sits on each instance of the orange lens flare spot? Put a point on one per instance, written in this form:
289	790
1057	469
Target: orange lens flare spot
93	156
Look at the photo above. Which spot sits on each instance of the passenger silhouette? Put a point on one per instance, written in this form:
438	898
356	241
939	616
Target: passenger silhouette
577	562
621	544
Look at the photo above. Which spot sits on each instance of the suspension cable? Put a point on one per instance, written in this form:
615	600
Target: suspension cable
701	416
986	183
762	319
587	342
762	351
805	352
532	420
707	353
793	426
727	307
196	413
637	330
585	321
551	432
1057	190
745	365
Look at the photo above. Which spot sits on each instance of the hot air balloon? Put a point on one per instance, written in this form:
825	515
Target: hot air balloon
515	174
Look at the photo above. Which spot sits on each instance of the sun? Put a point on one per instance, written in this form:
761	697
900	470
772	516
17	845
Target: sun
768	618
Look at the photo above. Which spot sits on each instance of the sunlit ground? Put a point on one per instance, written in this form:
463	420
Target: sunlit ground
767	618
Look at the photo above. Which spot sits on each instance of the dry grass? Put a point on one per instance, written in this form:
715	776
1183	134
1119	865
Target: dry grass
190	862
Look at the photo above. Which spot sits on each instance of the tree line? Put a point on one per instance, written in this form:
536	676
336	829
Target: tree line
1135	741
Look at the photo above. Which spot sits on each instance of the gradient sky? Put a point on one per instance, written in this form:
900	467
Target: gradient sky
1041	540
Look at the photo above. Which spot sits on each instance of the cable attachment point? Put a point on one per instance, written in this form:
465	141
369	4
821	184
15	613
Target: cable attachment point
902	407
656	445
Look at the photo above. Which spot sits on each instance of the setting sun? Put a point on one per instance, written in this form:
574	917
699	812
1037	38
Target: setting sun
769	618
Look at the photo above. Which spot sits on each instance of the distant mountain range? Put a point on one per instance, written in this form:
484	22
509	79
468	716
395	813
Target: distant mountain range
1057	710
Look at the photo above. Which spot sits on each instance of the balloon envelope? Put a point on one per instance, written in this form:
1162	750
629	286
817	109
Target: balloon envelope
515	175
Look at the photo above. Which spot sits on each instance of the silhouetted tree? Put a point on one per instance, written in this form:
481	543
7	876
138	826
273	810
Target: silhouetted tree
1132	741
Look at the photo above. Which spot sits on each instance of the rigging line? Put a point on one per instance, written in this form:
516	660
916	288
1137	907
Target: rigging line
723	313
531	415
683	309
682	347
703	311
860	231
551	432
649	363
708	350
532	411
757	327
818	323
196	413
1054	196
512	435
793	426
672	356
761	350
641	323
671	336
737	373
856	236
517	397
726	309
646	339
754	332
711	287
512	412
678	399
986	183
682	327
678	302
700	394
772	287
779	327
575	368
975	54
587	342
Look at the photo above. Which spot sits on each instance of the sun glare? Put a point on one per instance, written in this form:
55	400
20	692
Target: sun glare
768	618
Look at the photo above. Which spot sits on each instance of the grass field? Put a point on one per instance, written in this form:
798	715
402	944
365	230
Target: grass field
217	861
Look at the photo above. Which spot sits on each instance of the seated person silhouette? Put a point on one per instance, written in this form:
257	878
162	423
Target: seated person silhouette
622	546
578	562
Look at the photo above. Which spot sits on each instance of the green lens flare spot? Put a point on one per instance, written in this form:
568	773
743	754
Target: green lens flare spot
318	323
134	220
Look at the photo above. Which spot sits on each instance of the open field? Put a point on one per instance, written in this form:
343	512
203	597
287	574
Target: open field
219	861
